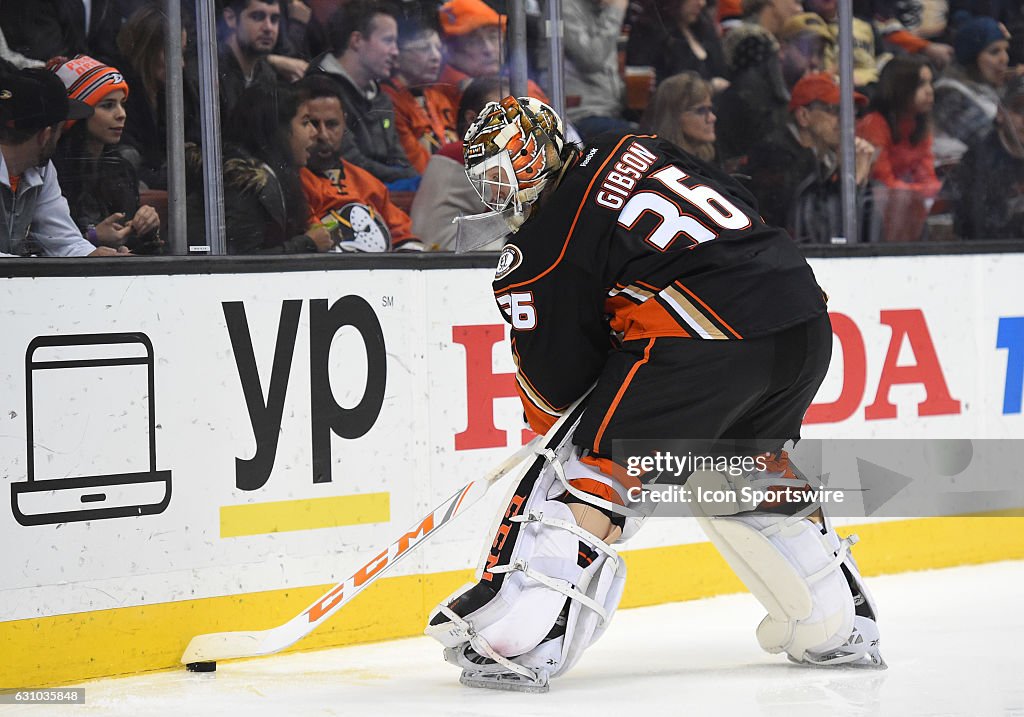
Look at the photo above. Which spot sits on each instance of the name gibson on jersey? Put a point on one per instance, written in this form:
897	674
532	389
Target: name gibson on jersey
624	175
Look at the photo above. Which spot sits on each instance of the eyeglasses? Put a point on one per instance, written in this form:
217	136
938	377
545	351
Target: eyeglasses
830	109
703	111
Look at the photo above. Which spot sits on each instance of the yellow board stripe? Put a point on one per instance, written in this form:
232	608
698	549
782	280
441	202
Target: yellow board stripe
70	648
288	515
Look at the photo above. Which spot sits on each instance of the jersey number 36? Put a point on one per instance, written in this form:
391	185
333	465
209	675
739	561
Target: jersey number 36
673	222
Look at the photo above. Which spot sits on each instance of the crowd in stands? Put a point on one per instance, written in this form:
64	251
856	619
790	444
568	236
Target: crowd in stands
341	120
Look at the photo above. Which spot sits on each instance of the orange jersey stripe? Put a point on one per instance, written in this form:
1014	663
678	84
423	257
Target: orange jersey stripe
619	394
709	310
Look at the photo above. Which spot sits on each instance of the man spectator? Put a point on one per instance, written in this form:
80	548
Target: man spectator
472	33
34	216
795	171
424	115
349	201
865	62
42	29
805	40
253	27
364	34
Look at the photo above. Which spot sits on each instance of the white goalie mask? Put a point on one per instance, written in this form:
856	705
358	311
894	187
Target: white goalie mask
511	151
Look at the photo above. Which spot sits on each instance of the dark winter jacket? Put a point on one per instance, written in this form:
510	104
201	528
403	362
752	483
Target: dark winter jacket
371	140
255	210
46	28
232	79
97	188
795	190
987	188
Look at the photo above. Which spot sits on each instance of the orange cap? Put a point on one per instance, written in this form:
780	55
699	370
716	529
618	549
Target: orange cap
819	87
461	17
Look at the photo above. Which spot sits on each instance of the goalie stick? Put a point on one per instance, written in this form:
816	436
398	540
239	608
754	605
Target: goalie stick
227	645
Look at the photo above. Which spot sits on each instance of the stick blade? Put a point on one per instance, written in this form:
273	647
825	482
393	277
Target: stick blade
226	645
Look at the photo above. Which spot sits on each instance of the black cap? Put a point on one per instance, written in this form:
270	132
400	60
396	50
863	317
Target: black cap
34	99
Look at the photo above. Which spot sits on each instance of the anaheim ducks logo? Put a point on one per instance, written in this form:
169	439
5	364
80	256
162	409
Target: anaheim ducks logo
360	227
510	258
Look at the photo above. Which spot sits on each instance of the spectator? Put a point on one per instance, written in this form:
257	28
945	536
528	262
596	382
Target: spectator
446	192
14	60
682	113
895	21
805	40
794	172
593	86
674	36
101	187
253	27
967	95
365	38
144	142
900	127
987	187
343	197
267	137
472	33
424	114
770	14
754	104
34	217
42	29
865	62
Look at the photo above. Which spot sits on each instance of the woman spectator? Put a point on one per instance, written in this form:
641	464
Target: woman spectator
267	139
673	36
967	96
144	144
101	187
900	127
681	112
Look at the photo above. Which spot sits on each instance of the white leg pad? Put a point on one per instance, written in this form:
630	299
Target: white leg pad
795	572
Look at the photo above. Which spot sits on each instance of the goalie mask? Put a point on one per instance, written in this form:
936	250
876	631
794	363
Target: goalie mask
511	151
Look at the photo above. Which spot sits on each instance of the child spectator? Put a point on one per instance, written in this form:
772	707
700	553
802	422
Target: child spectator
101	187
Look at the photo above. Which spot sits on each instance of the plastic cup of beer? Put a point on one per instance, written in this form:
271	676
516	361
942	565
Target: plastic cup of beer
639	86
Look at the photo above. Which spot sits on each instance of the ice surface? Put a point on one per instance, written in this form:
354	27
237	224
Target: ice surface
954	641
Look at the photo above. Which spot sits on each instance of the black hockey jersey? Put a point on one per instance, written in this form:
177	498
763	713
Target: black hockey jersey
643	240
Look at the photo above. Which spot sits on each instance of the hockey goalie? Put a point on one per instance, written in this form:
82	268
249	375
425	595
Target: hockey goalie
635	268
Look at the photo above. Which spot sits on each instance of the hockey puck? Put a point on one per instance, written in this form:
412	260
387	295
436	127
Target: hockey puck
201	667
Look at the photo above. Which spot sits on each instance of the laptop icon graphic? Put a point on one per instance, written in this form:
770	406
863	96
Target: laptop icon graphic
91	431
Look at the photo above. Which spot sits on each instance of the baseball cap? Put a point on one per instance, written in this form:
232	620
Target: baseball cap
87	80
806	23
819	87
34	99
461	17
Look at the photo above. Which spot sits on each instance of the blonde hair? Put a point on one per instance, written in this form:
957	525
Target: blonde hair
674	95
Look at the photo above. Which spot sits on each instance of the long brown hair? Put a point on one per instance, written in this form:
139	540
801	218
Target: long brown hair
141	41
674	95
894	96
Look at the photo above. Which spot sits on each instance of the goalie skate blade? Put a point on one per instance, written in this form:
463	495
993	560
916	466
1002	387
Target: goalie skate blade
507	681
873	662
